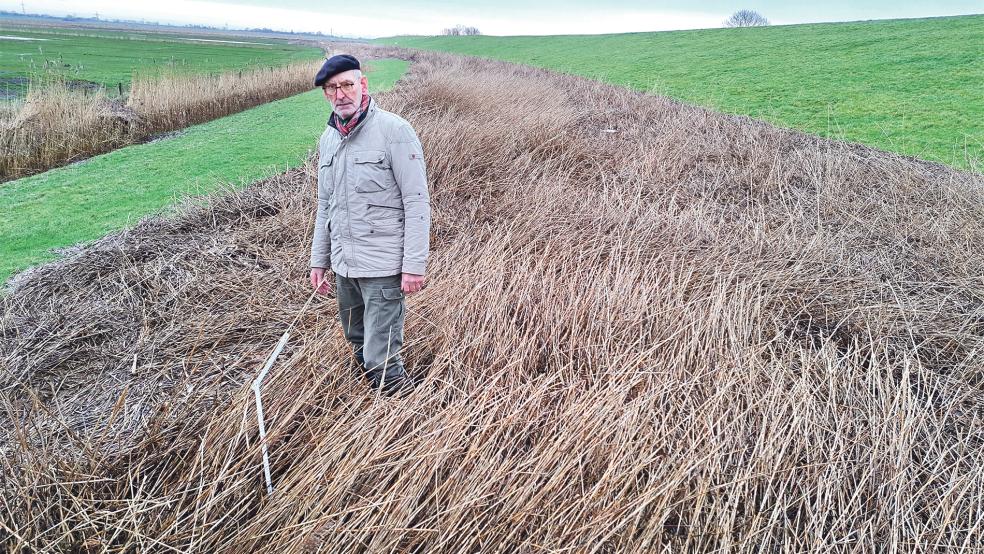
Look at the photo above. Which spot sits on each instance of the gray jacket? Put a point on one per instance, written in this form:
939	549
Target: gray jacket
373	205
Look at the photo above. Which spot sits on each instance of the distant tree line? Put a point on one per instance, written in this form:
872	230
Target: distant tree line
461	30
746	18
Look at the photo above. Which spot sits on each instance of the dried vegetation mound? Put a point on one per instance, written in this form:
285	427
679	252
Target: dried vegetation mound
648	326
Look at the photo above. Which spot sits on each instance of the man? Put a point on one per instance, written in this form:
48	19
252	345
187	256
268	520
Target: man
373	221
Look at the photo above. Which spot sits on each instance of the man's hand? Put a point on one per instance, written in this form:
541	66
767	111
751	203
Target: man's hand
412	283
320	283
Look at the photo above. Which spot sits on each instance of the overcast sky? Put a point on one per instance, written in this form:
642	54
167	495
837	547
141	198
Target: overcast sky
375	18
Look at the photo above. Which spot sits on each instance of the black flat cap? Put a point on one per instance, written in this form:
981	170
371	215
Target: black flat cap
335	65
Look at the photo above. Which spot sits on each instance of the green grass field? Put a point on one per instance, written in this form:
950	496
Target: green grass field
109	58
914	87
85	201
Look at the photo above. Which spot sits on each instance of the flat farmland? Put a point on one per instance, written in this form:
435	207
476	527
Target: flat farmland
914	87
108	58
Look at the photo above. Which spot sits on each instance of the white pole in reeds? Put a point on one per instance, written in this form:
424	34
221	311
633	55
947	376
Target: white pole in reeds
257	385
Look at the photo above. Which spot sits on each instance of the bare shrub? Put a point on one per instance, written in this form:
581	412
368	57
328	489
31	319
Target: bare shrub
746	18
56	124
649	327
461	30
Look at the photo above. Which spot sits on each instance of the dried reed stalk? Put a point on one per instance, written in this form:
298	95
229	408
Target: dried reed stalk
695	333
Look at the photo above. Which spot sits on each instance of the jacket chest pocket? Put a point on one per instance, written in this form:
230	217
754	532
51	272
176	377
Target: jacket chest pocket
372	173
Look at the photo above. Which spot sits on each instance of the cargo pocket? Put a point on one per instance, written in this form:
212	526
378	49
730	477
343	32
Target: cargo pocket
372	173
395	293
393	306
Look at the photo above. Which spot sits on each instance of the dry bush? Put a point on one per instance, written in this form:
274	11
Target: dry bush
57	124
649	327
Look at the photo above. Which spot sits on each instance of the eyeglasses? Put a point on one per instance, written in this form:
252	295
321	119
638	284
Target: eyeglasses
347	88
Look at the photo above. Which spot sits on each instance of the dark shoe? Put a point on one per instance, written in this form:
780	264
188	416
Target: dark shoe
358	365
400	388
393	387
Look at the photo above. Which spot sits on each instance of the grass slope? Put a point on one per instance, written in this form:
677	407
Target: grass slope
109	58
84	201
914	87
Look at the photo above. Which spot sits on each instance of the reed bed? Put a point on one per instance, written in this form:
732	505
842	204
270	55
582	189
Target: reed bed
167	102
57	124
649	327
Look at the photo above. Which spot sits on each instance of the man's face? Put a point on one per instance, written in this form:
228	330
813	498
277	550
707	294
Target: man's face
345	91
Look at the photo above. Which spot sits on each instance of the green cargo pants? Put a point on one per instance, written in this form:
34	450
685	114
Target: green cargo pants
372	310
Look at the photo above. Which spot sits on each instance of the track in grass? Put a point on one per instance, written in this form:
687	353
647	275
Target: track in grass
908	86
84	201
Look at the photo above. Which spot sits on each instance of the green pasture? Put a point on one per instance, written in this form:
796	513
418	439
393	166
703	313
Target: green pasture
85	201
108	58
915	86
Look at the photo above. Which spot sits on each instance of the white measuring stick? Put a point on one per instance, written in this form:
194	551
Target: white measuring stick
257	385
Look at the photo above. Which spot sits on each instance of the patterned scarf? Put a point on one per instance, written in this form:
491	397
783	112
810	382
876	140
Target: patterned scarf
346	127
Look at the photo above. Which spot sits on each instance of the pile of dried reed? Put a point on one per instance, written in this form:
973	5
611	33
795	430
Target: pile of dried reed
57	124
649	326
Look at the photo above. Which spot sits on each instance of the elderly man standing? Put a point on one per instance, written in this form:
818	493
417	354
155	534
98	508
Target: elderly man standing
373	222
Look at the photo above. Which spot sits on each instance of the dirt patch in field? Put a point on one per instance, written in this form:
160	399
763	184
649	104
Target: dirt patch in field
83	85
166	136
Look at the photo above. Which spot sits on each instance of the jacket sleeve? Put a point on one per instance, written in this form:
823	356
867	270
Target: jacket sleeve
407	161
321	241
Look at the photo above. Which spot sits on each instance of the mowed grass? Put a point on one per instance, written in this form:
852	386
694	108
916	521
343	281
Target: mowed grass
109	58
84	201
914	87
